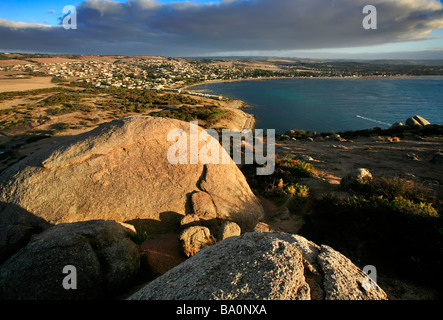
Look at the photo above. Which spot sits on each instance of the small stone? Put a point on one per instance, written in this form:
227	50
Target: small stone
194	239
397	125
190	220
357	177
263	227
411	156
229	229
393	139
304	157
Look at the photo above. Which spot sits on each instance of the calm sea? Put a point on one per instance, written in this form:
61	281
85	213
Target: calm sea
336	104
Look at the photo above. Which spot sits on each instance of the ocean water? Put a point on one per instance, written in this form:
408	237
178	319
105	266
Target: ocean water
336	104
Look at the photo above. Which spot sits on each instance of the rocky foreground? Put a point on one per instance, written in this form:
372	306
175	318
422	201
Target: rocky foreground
88	202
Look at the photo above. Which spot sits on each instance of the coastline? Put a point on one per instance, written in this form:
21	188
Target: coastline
282	78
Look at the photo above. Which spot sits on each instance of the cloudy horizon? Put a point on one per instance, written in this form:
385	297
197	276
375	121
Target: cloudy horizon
406	29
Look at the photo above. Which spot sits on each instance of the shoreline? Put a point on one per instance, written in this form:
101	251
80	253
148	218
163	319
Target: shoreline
282	78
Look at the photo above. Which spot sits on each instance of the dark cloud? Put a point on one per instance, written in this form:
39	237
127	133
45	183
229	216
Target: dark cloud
147	27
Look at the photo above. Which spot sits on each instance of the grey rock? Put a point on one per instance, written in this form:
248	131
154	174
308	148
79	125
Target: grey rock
106	260
343	280
263	266
251	267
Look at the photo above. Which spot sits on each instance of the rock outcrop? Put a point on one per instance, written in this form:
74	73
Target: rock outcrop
105	259
120	171
397	125
417	121
355	178
263	266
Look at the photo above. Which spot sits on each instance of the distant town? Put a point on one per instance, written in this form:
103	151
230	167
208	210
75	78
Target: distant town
165	73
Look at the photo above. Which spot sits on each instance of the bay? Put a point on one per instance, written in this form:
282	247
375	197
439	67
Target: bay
332	104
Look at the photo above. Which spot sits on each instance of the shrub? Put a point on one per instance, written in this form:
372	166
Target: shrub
391	188
298	168
58	80
400	235
299	199
397	205
61	98
138	237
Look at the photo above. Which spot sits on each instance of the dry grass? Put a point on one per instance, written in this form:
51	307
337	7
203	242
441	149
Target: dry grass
32	83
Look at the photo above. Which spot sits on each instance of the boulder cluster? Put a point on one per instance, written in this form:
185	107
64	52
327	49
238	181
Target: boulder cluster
73	220
264	266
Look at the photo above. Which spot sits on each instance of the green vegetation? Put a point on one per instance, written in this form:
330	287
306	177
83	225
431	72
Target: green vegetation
36	138
391	223
69	108
210	114
148	97
61	98
282	186
10	95
297	168
58	80
60	127
299	199
138	237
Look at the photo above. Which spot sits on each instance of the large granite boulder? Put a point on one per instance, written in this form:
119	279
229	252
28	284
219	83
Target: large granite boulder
105	262
263	266
120	171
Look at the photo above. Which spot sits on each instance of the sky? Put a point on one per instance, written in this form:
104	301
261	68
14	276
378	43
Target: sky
406	29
